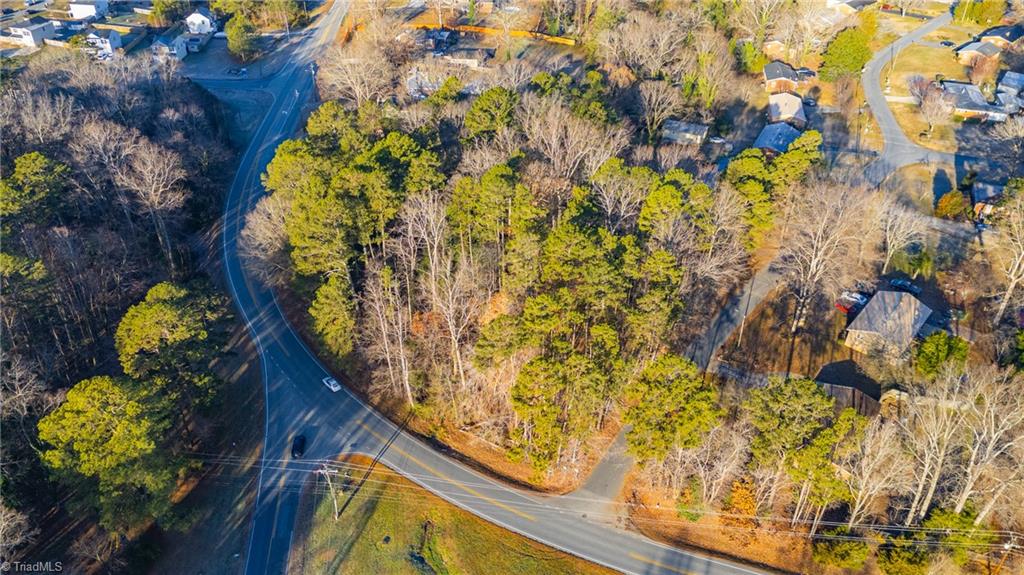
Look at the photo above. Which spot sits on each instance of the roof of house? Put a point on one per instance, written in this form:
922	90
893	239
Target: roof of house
986	49
785	106
1009	33
776	137
985	191
967	96
103	32
895	316
203	11
165	40
31	23
779	70
1012	80
679	128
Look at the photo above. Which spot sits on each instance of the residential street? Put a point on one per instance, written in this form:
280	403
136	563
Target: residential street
899	150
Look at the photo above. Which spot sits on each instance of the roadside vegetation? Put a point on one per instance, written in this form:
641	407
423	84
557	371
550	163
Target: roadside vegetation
109	326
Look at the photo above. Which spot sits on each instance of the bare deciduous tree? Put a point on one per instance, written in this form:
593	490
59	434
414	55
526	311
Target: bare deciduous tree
659	101
264	242
15	531
932	421
620	197
459	301
900	229
908	5
358	73
1011	135
874	468
931	101
44	118
649	45
154	176
993	429
1009	250
827	223
756	17
716	462
565	140
387	330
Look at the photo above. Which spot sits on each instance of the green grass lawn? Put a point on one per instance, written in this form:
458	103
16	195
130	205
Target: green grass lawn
925	61
392	526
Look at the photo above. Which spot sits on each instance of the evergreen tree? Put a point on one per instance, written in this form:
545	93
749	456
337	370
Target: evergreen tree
939	350
670	407
492	110
846	55
242	36
334	315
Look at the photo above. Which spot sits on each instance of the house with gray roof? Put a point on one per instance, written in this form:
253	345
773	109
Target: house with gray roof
32	32
888	324
776	138
968	101
968	53
679	132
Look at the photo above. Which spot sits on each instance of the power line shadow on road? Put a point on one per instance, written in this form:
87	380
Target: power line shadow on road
373	464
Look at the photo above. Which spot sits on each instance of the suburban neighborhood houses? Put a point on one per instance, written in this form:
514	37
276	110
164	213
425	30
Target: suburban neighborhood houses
105	29
725	287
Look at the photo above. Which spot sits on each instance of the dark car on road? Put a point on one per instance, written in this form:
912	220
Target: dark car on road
905	285
298	446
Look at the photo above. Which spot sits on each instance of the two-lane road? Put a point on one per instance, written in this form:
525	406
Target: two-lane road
336	423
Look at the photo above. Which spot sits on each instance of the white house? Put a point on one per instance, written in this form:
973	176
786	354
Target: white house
105	41
88	9
32	32
201	22
165	47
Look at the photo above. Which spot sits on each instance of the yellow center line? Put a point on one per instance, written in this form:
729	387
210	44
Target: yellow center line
640	557
444	477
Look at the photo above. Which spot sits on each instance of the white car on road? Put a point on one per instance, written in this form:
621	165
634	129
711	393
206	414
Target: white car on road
332	384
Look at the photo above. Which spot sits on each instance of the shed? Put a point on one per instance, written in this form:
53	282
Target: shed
679	132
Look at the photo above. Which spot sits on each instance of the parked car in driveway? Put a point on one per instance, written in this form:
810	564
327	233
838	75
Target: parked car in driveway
905	285
332	384
947	43
854	298
298	446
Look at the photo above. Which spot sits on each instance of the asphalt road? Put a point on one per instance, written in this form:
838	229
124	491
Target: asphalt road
337	423
899	150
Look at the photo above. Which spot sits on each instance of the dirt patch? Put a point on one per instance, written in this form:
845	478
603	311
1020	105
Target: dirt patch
764	344
778	547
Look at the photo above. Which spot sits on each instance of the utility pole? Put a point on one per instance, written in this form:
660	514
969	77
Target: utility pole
326	472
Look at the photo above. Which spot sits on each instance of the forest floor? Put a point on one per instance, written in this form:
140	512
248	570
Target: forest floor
390	525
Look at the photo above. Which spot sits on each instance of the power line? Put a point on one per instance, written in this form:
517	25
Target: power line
533	503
